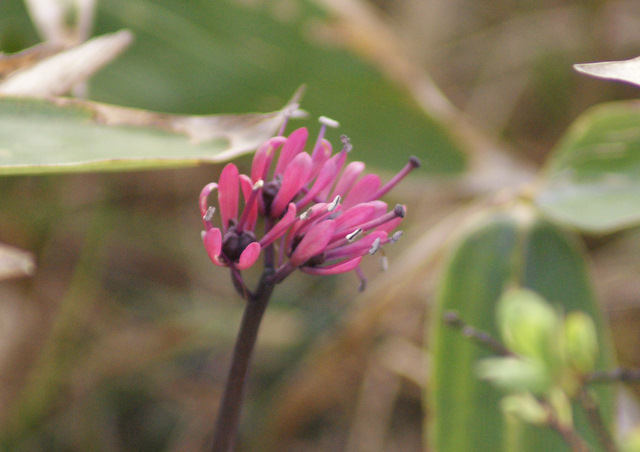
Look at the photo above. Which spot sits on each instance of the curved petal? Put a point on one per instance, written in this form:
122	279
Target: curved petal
295	177
228	195
352	218
320	155
294	145
313	242
340	267
281	226
250	213
249	256
348	178
212	240
363	191
263	157
325	178
204	197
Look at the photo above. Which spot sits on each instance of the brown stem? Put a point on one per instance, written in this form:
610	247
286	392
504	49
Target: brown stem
229	412
620	374
591	409
569	435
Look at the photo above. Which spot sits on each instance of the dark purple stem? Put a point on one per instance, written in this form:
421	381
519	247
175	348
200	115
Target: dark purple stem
229	412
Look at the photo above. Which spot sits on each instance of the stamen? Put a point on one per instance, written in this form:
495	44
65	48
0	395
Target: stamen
328	122
347	146
398	211
375	246
258	184
384	263
334	204
304	215
395	237
352	236
202	234
414	162
362	278
209	213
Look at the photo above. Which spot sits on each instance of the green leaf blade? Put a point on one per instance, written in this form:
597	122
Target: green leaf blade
63	135
593	179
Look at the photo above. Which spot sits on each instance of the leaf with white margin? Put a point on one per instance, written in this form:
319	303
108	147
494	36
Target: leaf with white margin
625	70
63	135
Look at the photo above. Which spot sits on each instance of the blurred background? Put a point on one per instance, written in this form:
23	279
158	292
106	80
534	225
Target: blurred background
122	338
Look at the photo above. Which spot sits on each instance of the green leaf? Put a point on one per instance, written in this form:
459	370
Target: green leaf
222	55
593	178
501	250
64	135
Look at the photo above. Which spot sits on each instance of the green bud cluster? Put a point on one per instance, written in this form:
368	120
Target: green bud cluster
552	355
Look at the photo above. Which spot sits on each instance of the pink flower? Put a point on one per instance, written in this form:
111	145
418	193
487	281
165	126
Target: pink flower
343	218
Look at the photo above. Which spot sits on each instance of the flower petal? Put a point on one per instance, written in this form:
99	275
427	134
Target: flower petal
228	195
362	191
326	177
204	194
294	145
212	240
263	157
350	219
280	227
320	155
313	242
348	178
249	256
295	177
250	213
340	267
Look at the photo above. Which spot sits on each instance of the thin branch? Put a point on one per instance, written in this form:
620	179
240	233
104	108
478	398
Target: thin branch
595	420
483	338
619	374
569	435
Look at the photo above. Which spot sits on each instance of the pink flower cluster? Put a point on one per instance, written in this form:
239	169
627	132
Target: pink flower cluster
319	215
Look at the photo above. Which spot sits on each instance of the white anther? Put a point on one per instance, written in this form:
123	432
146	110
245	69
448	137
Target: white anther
328	122
304	215
258	184
202	234
351	237
395	237
384	263
375	246
334	204
209	213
